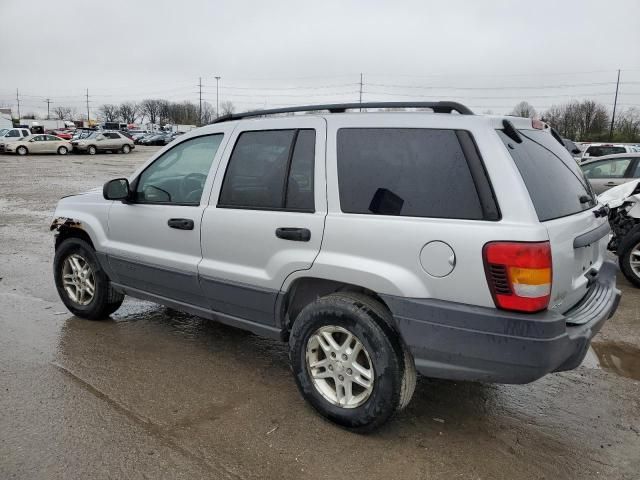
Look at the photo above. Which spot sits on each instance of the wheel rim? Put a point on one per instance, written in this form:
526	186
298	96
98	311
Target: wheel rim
22	151
92	150
339	366
62	151
634	260
78	279
125	149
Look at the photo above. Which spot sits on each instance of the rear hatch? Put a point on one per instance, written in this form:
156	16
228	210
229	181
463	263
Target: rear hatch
565	204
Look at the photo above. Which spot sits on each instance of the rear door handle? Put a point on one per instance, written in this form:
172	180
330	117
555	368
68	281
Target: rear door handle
295	234
181	223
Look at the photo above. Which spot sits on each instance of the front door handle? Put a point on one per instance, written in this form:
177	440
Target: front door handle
612	184
295	234
181	223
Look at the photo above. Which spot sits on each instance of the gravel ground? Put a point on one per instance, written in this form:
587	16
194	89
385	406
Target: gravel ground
153	393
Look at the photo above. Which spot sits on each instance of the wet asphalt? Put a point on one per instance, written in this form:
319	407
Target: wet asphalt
153	393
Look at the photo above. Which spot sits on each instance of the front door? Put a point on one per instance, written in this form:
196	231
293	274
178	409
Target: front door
266	215
154	240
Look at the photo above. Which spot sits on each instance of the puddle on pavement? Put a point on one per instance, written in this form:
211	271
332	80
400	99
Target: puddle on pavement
618	358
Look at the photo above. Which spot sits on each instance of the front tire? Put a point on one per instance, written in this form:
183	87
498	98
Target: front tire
348	361
22	151
83	286
629	256
62	151
126	149
92	150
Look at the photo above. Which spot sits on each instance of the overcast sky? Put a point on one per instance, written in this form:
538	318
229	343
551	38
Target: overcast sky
488	54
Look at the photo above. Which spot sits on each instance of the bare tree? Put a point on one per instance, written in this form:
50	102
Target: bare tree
110	112
227	108
524	109
62	112
129	112
150	108
208	114
586	120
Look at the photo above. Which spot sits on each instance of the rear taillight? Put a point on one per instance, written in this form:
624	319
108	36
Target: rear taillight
519	274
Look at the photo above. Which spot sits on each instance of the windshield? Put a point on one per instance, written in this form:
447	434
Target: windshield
3	131
602	150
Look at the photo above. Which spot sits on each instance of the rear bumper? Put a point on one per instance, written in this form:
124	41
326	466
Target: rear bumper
464	342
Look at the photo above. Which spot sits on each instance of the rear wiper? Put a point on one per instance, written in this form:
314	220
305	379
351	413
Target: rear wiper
511	132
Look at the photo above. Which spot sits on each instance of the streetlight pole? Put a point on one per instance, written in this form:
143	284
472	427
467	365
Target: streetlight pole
217	97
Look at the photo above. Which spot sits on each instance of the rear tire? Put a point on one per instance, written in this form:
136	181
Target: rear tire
103	299
126	149
22	151
390	365
92	150
629	256
62	151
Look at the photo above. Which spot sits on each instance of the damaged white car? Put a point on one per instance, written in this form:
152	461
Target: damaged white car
624	217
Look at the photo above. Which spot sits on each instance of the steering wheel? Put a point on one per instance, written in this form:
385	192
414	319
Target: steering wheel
191	187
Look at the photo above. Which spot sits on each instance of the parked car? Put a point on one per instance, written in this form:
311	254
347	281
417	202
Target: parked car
144	137
159	139
62	134
8	135
39	144
375	244
102	142
602	149
82	133
611	170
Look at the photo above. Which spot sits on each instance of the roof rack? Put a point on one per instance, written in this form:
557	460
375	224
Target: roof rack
437	107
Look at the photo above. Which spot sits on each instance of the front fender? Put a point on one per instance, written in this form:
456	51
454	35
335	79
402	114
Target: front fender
87	212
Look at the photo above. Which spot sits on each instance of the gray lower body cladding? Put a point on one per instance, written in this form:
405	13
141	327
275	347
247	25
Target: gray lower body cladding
464	342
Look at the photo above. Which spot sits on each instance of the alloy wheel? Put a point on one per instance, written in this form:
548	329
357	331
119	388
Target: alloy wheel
78	279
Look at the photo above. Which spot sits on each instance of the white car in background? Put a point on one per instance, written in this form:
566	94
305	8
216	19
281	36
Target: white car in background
39	144
602	149
8	135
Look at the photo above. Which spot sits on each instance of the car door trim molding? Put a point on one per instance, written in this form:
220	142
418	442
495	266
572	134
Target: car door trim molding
254	327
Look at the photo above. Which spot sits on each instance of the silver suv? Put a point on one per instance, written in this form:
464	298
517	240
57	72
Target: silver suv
462	246
102	142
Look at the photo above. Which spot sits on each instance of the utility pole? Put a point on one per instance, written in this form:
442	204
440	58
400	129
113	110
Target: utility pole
18	100
48	102
200	110
217	97
361	91
88	117
615	103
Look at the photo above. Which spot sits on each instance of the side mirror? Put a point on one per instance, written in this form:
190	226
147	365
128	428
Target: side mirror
117	189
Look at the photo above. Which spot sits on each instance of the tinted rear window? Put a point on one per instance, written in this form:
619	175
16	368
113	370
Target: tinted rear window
601	151
553	179
409	172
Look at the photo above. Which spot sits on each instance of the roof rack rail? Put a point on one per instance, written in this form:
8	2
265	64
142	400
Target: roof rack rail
437	107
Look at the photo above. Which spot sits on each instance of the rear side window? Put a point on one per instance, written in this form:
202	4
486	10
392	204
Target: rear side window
13	133
602	150
408	172
271	170
555	183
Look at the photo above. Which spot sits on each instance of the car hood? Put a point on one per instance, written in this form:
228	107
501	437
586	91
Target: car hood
94	192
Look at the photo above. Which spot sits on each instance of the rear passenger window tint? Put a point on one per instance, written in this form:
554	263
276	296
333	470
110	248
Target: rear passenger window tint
553	179
267	171
408	172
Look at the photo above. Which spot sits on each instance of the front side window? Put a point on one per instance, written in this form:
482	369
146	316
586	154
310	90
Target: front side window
413	172
607	168
13	133
52	138
179	175
271	169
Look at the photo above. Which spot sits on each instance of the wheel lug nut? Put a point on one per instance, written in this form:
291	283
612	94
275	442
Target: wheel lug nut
349	372
340	377
331	367
344	356
333	354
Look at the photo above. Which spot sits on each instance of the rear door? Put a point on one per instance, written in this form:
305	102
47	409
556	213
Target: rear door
565	205
266	215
